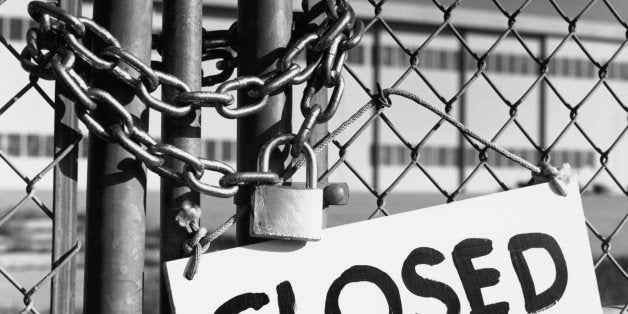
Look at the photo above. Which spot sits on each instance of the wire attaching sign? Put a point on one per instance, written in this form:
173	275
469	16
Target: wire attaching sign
521	251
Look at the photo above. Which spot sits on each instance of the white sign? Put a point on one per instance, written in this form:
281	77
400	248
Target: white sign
520	251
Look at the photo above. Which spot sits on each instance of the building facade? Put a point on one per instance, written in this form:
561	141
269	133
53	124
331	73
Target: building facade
445	66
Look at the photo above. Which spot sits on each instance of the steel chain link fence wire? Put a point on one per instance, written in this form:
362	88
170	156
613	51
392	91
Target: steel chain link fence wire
477	60
29	286
482	69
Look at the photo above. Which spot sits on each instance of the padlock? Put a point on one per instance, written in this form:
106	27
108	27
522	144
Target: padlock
287	212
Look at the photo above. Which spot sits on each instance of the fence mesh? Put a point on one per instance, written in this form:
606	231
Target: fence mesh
29	286
411	63
476	67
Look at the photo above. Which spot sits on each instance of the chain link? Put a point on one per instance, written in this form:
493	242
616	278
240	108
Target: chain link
51	53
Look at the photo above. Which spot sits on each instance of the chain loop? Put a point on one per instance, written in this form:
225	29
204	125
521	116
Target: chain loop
51	52
162	106
217	191
236	84
38	9
87	55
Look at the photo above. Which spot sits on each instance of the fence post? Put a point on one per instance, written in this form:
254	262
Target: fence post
377	72
543	102
63	285
462	104
116	182
320	130
264	29
182	51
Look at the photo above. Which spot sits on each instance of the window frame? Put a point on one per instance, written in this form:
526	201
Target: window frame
19	34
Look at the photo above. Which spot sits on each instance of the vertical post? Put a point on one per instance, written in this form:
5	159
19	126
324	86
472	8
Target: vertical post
64	195
319	131
182	51
543	101
116	182
376	61
264	29
462	72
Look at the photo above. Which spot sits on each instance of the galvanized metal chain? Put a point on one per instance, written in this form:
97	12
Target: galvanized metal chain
53	47
52	50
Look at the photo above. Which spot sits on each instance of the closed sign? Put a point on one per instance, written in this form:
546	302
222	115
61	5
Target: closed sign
521	251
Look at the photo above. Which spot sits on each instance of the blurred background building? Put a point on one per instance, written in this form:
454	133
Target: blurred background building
445	66
382	152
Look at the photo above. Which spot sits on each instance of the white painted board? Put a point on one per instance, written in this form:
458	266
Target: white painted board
389	257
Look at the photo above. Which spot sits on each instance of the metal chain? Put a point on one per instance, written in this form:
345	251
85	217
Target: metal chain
51	53
53	47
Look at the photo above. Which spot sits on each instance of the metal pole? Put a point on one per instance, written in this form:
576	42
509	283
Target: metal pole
64	195
375	154
116	182
182	51
264	28
462	72
319	131
543	102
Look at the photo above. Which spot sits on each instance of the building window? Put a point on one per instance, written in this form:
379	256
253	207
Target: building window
524	64
441	155
555	66
356	55
623	71
228	150
14	145
441	60
470	62
614	70
566	157
499	63
590	159
33	145
387	56
210	149
427	58
579	68
16	29
491	63
427	155
566	67
402	155
49	146
470	156
514	64
386	155
577	163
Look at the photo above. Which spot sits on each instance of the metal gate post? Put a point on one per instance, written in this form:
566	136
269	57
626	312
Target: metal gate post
264	29
116	182
377	72
63	285
320	130
182	51
462	104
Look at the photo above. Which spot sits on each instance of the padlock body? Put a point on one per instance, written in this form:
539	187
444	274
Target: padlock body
284	212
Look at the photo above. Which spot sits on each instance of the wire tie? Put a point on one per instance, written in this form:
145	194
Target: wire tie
557	178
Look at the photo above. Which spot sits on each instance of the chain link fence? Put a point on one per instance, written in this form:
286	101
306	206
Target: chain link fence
63	149
466	70
483	72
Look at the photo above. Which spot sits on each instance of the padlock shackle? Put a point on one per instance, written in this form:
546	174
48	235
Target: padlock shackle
263	158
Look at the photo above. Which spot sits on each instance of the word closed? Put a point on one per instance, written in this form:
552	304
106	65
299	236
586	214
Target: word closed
521	251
